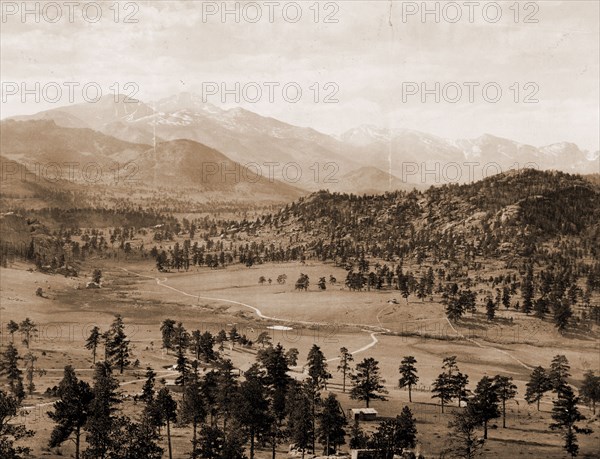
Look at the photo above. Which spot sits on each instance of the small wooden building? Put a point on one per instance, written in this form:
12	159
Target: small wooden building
363	414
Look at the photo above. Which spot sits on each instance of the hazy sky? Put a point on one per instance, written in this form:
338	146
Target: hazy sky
372	54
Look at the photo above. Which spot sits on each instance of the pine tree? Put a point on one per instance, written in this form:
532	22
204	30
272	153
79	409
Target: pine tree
527	290
442	388
565	414
117	344
12	328
406	433
227	387
392	437
71	410
300	422
562	313
345	361
539	383
275	363
330	431
317	368
463	438
11	431
193	408
102	413
28	329
506	390
135	440
484	404
490	308
168	410
9	366
31	371
93	341
253	406
590	389
292	356
264	338
367	384
167	330
408	374
559	372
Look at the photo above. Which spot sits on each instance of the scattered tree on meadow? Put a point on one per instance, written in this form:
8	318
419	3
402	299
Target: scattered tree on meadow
451	383
322	283
506	390
345	366
442	388
367	384
590	389
264	338
167	330
31	371
28	329
303	282
408	374
484	404
12	328
97	276
539	383
93	341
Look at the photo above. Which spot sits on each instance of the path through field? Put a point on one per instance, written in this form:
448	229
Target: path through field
260	314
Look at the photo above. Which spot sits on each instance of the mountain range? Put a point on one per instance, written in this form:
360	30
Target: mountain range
290	159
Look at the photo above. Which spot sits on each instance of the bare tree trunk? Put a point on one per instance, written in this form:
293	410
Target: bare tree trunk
169	439
77	439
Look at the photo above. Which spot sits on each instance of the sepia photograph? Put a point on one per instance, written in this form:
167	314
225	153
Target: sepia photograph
311	229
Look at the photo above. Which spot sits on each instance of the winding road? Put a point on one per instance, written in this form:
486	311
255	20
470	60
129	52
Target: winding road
260	314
